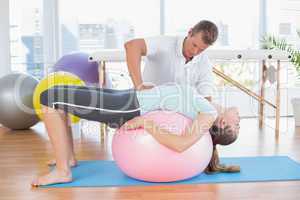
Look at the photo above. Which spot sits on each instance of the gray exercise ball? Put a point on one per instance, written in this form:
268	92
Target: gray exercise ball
16	107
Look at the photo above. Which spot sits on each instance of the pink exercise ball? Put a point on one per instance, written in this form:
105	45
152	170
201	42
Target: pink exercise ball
141	157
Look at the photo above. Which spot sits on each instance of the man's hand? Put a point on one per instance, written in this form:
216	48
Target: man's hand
145	87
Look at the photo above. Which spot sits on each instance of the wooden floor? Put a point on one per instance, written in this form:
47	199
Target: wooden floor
23	155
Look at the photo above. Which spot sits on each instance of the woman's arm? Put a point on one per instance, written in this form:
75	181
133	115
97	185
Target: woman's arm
191	135
174	141
218	107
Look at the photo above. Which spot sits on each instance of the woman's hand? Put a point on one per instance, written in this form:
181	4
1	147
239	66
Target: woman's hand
138	122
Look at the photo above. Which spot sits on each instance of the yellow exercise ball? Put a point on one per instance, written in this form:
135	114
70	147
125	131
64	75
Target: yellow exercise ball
54	79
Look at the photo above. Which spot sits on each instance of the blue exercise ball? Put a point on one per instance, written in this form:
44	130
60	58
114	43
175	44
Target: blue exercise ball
16	94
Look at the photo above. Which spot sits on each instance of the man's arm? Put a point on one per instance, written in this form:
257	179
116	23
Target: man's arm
135	49
191	135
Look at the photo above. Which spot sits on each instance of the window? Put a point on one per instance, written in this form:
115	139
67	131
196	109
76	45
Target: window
237	20
238	29
90	25
283	22
26	40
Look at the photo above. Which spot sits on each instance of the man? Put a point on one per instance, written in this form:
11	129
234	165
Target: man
174	59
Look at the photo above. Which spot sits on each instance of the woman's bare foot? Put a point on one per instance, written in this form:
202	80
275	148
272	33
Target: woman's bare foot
55	176
72	162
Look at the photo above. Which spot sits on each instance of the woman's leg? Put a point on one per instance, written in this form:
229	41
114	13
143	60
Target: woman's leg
88	103
55	122
72	160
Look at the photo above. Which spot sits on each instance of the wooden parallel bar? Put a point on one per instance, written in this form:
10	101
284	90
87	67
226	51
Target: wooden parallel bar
277	99
262	93
241	87
102	81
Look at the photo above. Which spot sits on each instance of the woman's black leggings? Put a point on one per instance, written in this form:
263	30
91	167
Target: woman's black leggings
113	107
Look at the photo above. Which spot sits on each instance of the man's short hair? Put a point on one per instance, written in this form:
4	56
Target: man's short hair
208	29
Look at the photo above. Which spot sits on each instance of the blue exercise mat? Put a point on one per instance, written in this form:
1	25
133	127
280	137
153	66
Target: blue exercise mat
103	173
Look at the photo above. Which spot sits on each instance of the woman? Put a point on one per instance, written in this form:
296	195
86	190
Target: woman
116	108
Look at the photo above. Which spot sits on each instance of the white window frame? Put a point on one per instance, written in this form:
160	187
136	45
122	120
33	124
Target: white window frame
5	65
51	33
162	17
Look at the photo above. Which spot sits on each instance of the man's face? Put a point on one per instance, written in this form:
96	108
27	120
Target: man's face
193	45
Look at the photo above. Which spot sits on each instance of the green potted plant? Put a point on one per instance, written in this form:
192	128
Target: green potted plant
272	42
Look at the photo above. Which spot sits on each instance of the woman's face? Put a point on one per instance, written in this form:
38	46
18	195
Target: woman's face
230	118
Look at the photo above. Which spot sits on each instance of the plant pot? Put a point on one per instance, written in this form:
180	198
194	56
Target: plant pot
296	110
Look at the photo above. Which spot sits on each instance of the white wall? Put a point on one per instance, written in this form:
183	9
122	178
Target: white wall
4	38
